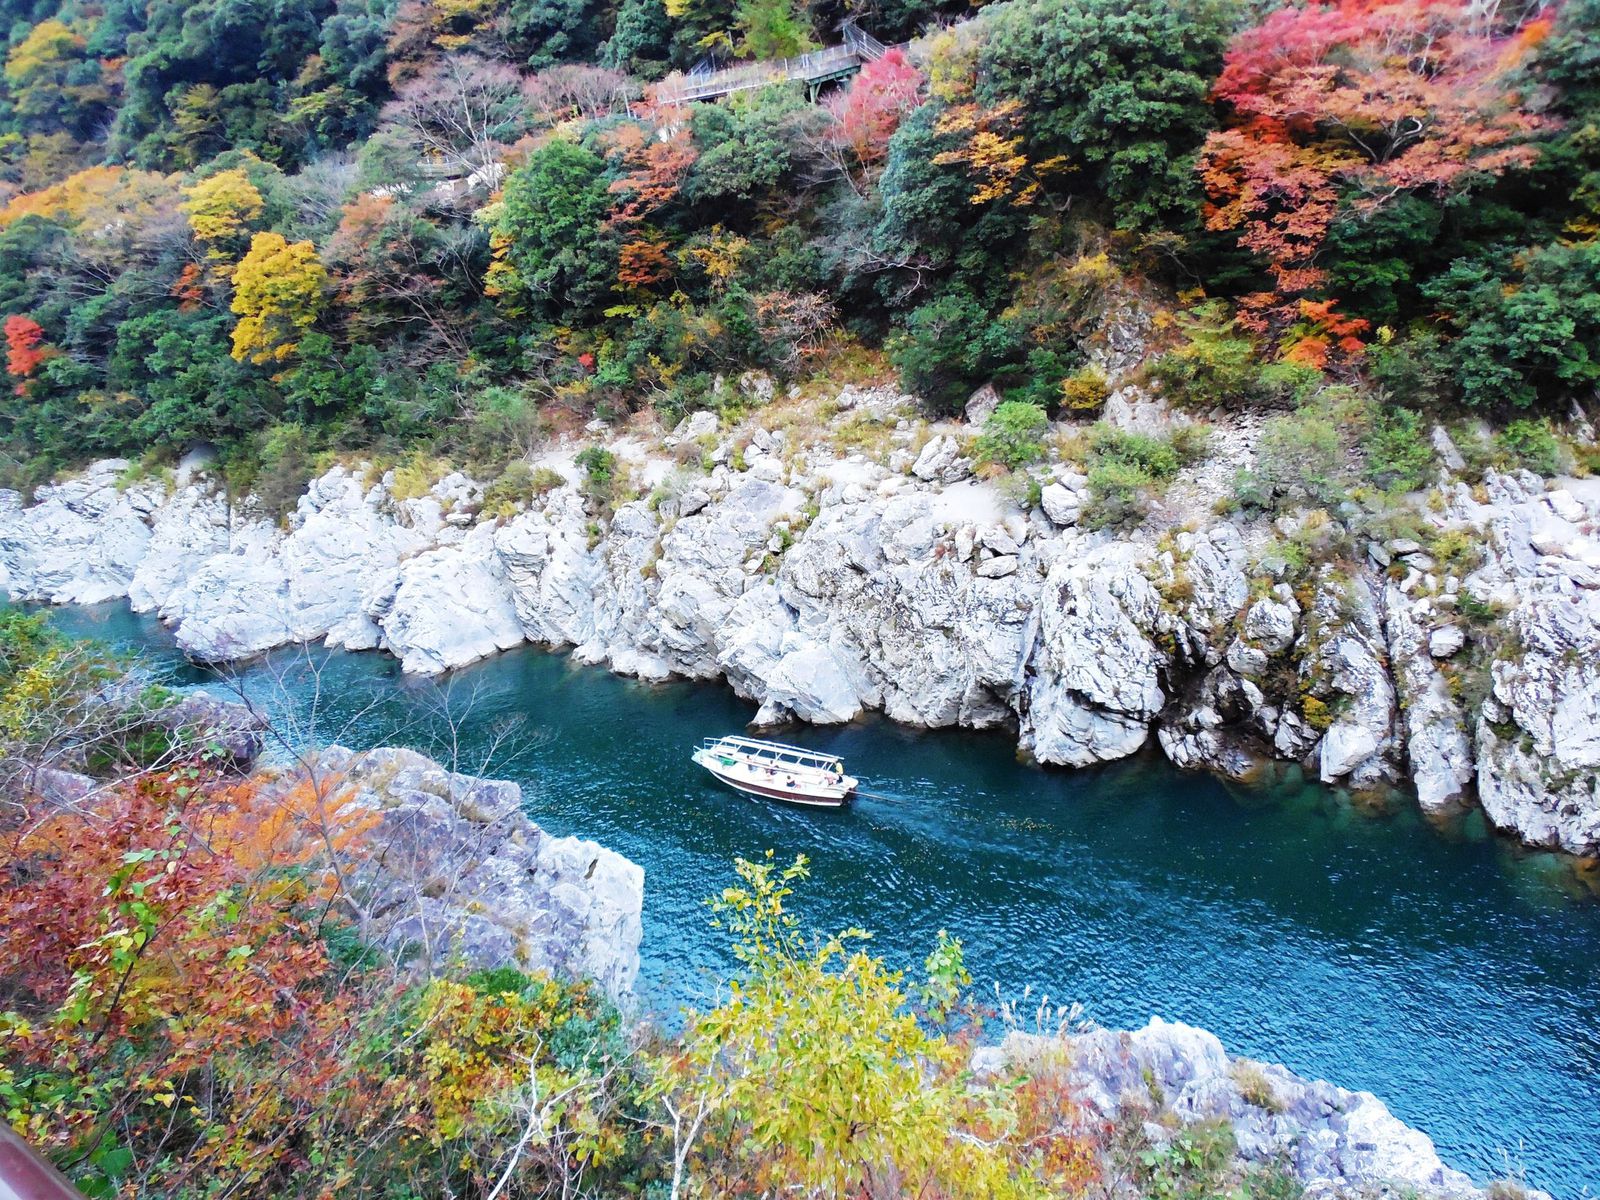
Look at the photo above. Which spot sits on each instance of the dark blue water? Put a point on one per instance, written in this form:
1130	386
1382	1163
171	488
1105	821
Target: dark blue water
1449	972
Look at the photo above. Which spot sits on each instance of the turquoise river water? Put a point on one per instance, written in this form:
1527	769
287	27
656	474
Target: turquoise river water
1452	974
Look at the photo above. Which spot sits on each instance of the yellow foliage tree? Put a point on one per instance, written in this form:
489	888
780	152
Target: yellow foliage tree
278	290
220	207
991	151
97	198
42	54
817	1076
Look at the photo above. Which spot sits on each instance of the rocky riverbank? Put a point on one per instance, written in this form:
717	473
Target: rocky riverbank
447	869
1461	652
1170	1078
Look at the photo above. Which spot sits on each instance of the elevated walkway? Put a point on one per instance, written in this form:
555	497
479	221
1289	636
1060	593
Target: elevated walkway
814	69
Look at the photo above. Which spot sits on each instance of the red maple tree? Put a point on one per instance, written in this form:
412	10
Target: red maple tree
1347	105
866	115
25	349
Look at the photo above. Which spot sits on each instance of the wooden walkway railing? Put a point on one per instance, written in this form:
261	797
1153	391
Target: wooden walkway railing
814	68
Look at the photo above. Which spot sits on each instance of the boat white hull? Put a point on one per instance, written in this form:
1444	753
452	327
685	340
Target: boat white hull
776	787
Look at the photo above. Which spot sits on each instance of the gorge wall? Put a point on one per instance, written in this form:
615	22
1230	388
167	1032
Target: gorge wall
820	584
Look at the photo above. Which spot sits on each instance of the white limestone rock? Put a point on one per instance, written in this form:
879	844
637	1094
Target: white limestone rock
552	571
879	583
1095	668
194	524
941	461
1335	1142
450	607
82	539
1438	750
1343	666
341	540
1539	734
233	606
1061	504
1270	624
981	404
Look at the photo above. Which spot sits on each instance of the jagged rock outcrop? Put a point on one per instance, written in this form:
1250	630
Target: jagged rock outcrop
80	541
1538	731
1096	670
1335	1142
1438	748
448	607
449	869
1343	667
551	571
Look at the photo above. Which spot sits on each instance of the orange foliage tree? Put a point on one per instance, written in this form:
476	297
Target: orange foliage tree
1345	106
170	988
24	349
654	166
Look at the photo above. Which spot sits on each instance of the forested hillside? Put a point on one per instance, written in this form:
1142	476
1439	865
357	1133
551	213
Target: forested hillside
307	226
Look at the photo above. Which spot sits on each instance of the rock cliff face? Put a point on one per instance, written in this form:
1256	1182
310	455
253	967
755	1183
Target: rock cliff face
449	871
1335	1142
820	585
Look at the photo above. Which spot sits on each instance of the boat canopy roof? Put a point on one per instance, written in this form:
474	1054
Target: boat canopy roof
776	752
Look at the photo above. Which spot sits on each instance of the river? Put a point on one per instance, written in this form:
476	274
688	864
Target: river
1449	972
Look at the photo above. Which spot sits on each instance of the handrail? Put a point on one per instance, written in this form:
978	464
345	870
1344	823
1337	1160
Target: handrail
774	751
25	1175
700	83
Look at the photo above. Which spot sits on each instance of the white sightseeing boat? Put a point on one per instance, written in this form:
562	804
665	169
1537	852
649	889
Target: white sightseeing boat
776	771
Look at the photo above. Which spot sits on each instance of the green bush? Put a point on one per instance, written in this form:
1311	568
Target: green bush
1119	494
1013	436
1531	444
1221	366
1398	453
600	476
281	468
1414	370
1191	442
1217	366
1298	461
1152	457
518	484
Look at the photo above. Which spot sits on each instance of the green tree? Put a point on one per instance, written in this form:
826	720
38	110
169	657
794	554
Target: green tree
949	347
1116	87
1526	328
773	29
545	32
552	249
1013	436
746	146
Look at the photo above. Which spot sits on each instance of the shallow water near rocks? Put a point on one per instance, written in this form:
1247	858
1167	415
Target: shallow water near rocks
1452	974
